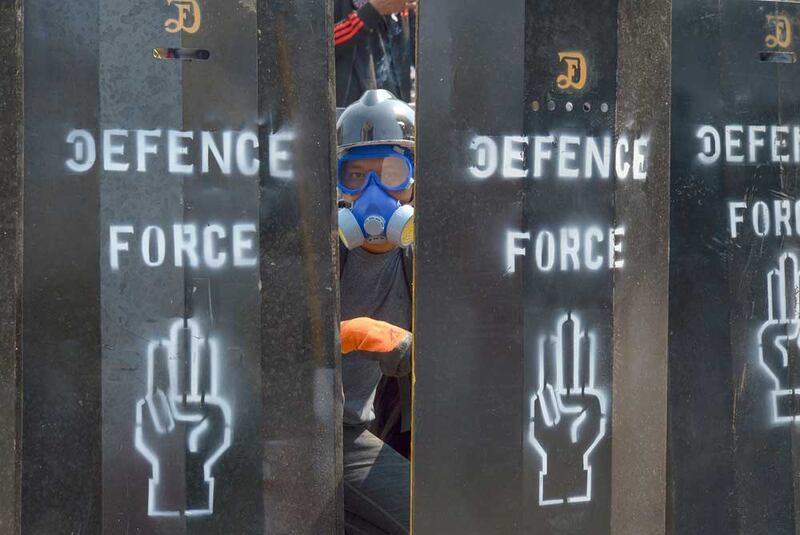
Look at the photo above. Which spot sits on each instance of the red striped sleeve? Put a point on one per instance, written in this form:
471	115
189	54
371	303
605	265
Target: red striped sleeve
346	23
347	29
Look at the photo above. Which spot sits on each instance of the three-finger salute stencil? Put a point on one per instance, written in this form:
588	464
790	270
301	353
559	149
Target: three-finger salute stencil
778	339
567	413
183	423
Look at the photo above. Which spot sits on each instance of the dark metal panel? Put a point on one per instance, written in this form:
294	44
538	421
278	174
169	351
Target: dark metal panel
221	95
139	302
302	400
466	466
206	377
10	260
61	480
731	453
515	301
639	410
567	474
697	27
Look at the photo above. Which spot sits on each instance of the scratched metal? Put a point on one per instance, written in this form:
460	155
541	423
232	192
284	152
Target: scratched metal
466	461
641	293
734	468
61	476
265	455
478	325
585	296
10	264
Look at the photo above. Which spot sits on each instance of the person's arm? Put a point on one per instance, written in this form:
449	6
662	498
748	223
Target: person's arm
366	18
379	341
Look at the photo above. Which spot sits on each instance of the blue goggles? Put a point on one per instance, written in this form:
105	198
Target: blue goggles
392	169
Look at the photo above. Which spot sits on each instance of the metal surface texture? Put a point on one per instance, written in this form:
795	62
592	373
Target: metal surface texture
568	306
180	371
733	274
61	476
641	292
466	472
299	275
606	205
535	197
10	262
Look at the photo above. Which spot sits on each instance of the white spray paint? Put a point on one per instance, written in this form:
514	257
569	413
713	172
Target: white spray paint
749	144
560	155
774	336
186	404
568	249
229	152
192	245
570	402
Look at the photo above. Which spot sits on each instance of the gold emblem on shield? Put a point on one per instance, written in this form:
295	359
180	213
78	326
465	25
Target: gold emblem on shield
575	75
782	36
188	10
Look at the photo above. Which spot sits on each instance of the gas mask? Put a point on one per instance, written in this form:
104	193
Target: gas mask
376	217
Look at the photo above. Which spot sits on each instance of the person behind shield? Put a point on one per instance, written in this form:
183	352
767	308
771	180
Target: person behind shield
376	218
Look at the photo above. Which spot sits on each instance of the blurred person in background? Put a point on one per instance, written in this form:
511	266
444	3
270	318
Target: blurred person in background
374	48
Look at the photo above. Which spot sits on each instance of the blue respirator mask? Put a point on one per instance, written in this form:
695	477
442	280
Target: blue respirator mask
376	217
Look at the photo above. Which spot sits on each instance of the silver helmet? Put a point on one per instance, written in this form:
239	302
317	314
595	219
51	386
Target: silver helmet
377	118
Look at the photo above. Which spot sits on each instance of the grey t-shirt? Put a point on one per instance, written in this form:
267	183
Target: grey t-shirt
372	286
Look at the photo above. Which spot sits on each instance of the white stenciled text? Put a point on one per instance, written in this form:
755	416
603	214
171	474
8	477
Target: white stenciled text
558	155
185	152
211	246
748	144
567	249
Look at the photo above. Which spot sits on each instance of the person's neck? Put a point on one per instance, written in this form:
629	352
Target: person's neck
378	248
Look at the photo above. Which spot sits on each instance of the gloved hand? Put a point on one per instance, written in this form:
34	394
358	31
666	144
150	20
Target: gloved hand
379	341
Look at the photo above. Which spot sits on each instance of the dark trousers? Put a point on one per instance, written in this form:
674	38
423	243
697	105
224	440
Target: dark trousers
376	486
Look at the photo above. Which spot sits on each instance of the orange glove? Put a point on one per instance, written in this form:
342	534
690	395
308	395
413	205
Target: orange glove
379	341
365	334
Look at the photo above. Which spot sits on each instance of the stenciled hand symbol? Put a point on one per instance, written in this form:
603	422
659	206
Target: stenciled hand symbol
778	339
567	414
183	425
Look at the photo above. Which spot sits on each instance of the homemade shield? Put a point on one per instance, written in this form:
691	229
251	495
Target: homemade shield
179	346
537	198
734	267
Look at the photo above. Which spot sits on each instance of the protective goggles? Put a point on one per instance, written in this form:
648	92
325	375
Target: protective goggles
393	169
